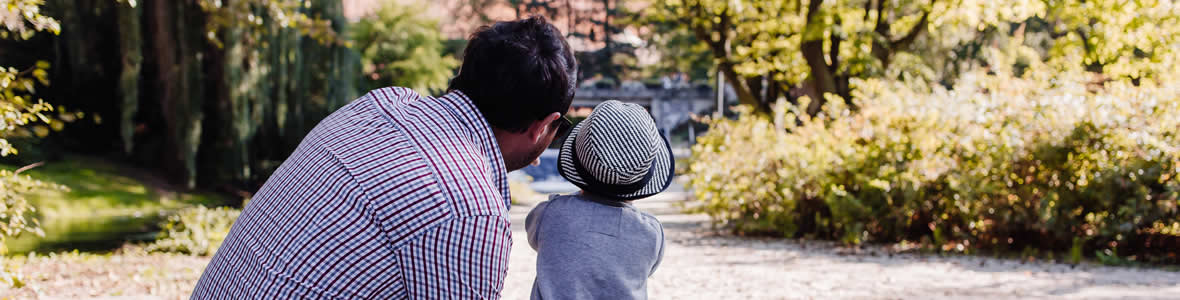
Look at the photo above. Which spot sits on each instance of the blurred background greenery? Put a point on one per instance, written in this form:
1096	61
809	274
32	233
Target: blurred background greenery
955	125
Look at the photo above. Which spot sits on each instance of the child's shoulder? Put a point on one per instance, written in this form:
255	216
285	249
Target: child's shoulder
557	200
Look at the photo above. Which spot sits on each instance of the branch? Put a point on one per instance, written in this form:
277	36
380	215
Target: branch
28	167
26	71
717	46
909	37
834	52
879	26
1085	40
868	6
812	7
721	51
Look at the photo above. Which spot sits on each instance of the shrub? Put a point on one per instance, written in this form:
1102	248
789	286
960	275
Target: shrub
22	114
400	47
997	162
520	190
195	231
17	215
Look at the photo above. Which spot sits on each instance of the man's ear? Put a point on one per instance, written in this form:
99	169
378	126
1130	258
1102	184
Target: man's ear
541	127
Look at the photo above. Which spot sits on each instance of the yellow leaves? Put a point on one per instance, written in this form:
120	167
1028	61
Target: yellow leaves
40	131
23	18
993	138
880	184
6	149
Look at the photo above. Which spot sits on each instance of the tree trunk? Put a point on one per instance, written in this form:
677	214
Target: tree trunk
131	48
825	81
167	74
813	52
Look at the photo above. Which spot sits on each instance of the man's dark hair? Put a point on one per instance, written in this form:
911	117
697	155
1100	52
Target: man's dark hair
517	72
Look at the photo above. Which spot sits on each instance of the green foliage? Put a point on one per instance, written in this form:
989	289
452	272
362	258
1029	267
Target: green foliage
195	231
788	43
400	47
821	45
207	92
20	20
17	105
996	162
521	192
106	205
1133	39
16	213
257	17
678	46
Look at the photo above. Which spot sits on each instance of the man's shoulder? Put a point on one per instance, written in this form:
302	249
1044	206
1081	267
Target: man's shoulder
361	119
394	100
378	154
404	144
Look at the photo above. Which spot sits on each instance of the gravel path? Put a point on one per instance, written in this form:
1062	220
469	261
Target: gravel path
698	264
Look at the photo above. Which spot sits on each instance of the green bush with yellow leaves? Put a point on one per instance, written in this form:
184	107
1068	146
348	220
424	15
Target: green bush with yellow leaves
195	231
1049	160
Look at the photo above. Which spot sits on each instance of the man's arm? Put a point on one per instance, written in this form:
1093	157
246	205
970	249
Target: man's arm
462	258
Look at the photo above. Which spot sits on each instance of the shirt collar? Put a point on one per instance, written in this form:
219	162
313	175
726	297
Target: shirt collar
475	123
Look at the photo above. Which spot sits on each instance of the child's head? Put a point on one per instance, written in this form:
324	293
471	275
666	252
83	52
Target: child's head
618	153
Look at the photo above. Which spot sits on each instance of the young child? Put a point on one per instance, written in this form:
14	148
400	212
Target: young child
595	244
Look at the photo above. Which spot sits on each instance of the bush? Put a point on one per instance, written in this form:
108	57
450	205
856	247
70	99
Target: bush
22	114
17	215
997	162
401	47
520	190
195	231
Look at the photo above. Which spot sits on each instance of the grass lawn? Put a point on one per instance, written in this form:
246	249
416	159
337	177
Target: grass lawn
106	205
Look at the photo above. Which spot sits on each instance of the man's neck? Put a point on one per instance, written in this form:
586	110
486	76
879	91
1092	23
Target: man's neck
509	146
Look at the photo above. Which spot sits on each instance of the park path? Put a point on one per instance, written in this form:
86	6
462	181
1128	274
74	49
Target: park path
702	264
698	264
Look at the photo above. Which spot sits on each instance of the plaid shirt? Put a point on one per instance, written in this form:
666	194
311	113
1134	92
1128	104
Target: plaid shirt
395	195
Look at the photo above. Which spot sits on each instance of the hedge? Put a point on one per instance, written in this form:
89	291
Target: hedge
1047	161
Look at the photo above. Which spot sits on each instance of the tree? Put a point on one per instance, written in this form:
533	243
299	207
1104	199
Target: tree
678	47
21	19
767	48
1132	39
786	48
548	8
209	92
398	47
594	24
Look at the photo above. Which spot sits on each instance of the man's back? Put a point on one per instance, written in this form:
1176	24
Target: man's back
393	196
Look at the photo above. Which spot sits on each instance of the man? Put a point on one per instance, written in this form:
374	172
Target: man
398	195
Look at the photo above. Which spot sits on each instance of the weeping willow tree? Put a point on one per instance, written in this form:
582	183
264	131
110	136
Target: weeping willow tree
211	92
